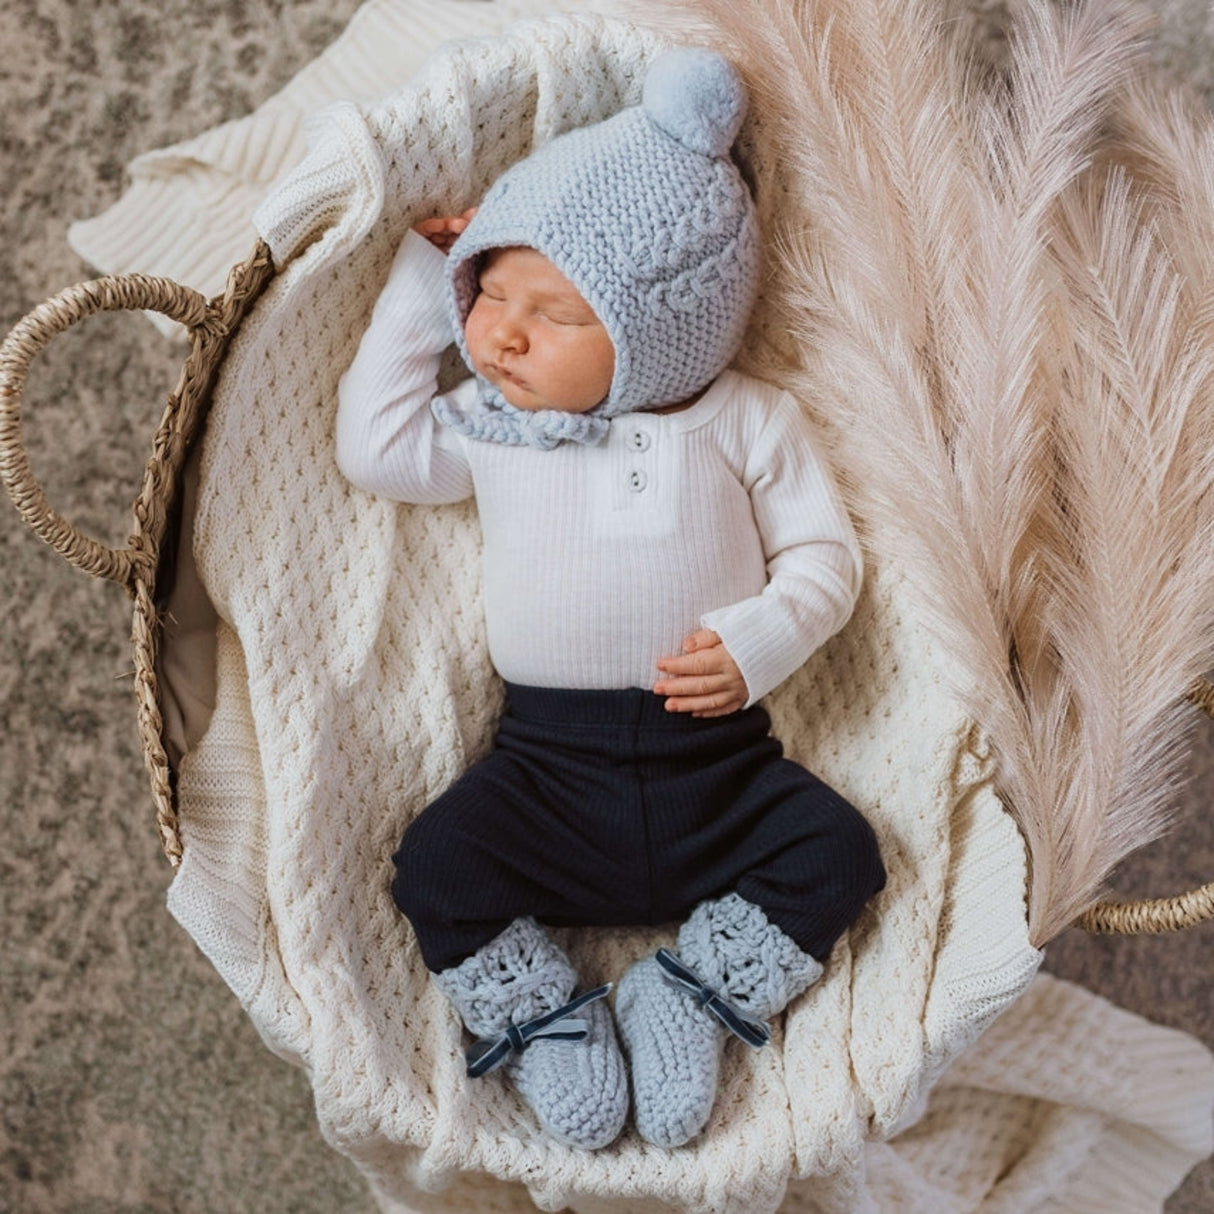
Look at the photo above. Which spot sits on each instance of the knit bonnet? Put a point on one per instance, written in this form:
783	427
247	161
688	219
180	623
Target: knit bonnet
649	218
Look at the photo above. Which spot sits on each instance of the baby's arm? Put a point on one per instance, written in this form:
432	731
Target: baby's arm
814	572
388	442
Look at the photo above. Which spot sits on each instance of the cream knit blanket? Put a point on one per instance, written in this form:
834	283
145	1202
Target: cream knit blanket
353	684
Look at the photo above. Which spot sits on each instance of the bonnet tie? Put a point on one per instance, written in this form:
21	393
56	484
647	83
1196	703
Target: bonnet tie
491	418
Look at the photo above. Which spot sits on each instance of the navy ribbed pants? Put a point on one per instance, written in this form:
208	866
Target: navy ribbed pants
602	808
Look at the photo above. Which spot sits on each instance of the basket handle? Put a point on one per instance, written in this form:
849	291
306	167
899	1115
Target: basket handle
125	292
1155	915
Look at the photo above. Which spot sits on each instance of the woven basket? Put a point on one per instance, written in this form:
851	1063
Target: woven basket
146	566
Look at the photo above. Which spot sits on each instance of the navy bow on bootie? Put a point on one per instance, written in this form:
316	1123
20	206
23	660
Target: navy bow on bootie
753	1032
489	1053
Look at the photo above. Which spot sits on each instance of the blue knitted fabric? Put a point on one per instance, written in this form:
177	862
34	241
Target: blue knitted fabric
647	215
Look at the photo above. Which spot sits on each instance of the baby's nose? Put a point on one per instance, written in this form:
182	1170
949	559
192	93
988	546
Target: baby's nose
509	334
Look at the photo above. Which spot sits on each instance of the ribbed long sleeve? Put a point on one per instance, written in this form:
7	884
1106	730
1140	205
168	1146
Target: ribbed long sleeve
387	440
599	560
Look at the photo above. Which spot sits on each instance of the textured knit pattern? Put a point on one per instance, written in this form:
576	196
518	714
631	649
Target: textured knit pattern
517	976
649	218
734	949
355	684
674	1045
674	1056
599	560
577	1089
187	211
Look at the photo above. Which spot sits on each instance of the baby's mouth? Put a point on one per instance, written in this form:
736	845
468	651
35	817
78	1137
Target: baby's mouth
498	372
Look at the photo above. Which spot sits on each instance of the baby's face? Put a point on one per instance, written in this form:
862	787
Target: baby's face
532	335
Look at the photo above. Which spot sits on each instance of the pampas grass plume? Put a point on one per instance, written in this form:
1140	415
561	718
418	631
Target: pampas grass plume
997	288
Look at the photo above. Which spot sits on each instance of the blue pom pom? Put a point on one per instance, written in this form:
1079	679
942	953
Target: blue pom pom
697	97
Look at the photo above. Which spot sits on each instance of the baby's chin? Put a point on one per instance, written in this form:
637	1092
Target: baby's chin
521	398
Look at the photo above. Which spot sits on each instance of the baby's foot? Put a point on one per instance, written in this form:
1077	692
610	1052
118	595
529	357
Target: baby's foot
674	1052
733	971
515	995
577	1089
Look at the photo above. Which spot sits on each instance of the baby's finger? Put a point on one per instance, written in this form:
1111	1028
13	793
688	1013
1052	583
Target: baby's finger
717	704
704	661
692	684
703	638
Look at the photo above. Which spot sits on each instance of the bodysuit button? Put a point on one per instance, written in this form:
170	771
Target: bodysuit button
639	440
637	480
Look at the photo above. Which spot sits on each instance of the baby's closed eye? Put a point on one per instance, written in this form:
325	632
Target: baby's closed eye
568	318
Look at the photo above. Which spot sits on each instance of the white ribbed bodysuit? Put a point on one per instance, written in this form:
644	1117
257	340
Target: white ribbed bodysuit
600	559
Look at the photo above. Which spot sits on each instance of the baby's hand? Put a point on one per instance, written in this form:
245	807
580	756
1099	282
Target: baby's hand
442	231
706	681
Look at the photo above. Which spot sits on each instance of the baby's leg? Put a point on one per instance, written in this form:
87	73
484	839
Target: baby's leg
471	870
732	971
511	838
799	863
810	859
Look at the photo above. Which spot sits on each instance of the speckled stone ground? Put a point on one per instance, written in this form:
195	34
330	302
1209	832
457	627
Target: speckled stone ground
129	1079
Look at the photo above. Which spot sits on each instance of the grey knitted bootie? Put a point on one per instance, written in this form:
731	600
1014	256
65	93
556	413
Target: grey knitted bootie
733	970
514	994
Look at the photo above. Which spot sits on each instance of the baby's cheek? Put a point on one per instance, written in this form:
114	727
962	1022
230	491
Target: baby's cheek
474	337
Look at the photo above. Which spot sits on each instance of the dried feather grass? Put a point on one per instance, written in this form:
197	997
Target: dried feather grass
998	286
1131	613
